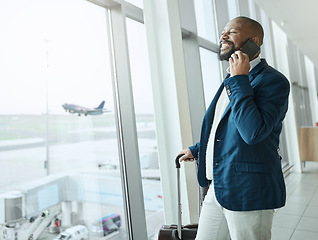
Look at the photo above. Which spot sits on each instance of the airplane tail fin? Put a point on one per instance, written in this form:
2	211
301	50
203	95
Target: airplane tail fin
101	106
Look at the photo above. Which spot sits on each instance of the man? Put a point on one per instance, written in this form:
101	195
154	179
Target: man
244	166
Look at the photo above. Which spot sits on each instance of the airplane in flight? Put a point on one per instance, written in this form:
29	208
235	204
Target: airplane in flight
72	108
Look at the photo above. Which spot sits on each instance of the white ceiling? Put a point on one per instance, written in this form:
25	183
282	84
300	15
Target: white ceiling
299	20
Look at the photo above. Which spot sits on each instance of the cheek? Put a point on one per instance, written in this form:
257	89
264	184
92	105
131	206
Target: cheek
238	45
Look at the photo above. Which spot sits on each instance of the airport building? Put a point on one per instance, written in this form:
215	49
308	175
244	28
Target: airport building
98	97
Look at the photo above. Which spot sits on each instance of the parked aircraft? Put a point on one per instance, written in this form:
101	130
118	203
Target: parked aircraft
72	108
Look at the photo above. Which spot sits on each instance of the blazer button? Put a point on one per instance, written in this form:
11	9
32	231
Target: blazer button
228	90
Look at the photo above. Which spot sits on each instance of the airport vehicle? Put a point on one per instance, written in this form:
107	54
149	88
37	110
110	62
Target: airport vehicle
72	108
78	232
106	225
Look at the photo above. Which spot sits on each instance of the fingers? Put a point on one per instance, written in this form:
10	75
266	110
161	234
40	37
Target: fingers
239	63
187	157
238	55
188	160
234	56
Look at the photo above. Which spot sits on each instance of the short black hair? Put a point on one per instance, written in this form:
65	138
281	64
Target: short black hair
257	28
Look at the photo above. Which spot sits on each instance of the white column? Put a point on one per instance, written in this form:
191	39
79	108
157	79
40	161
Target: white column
171	103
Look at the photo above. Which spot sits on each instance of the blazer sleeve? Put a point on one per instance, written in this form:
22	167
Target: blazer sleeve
195	149
256	111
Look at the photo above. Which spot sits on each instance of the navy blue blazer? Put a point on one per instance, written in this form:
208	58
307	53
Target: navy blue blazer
247	173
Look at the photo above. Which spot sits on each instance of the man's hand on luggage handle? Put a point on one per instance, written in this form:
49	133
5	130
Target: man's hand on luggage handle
187	157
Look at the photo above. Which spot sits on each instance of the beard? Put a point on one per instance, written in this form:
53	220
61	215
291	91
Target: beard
226	56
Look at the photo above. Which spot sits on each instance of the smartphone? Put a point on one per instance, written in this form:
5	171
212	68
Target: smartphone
250	48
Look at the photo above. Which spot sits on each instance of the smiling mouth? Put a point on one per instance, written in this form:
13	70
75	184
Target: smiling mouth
224	45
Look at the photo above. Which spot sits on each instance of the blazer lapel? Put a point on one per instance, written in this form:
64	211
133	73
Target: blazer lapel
205	133
209	116
257	69
211	110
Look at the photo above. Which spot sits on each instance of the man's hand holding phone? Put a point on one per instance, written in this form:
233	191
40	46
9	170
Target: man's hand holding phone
239	63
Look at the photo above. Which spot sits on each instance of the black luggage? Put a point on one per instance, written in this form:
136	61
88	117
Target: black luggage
188	232
178	232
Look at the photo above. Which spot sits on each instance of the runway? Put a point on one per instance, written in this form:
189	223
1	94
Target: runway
87	148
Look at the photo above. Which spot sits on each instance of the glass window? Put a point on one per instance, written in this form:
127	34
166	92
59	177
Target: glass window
210	74
266	48
283	150
280	46
49	59
232	7
316	78
311	96
251	6
146	128
205	20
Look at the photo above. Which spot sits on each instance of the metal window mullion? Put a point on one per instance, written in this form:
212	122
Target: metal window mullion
208	45
118	126
105	3
134	12
126	126
131	10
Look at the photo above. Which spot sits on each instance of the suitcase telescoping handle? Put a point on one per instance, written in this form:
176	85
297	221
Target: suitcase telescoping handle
179	195
178	166
177	160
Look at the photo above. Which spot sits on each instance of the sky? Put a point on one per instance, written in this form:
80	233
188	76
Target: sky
57	51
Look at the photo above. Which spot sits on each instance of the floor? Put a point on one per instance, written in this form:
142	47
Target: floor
298	220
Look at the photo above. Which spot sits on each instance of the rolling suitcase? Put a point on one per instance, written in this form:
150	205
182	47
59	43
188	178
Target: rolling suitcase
178	232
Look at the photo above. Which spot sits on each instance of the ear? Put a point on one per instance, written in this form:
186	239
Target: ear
256	39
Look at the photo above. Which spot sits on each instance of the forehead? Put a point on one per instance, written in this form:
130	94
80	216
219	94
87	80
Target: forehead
237	24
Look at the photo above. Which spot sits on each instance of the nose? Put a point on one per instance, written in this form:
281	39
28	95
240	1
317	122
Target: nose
224	36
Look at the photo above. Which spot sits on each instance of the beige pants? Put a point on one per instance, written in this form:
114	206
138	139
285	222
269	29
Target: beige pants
219	223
